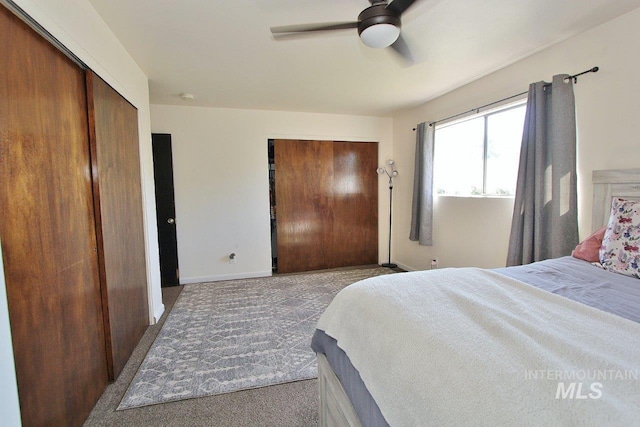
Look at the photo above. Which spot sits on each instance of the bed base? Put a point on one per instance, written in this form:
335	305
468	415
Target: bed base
335	407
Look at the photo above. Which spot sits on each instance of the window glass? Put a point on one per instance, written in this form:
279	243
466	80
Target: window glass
504	136
458	158
479	156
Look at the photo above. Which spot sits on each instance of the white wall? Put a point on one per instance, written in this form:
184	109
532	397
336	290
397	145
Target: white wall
79	27
9	404
474	232
221	180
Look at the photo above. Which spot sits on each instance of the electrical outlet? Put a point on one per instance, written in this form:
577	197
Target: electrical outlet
434	263
232	258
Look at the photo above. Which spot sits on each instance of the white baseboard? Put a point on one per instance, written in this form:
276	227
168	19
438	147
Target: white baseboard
189	280
405	267
158	312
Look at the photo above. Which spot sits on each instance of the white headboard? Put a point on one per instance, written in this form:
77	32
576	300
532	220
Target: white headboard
607	184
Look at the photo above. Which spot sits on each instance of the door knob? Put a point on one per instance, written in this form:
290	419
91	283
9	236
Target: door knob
171	221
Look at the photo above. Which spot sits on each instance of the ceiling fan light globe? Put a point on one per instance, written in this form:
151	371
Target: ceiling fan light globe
380	35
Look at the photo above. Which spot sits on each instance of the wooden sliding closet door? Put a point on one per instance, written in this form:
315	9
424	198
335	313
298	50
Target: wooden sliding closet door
48	231
113	126
326	204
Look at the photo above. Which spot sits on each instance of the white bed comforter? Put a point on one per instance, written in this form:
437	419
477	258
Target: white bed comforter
473	347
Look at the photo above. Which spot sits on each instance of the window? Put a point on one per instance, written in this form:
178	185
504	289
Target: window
479	155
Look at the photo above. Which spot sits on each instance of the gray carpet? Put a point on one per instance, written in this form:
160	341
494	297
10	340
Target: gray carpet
227	336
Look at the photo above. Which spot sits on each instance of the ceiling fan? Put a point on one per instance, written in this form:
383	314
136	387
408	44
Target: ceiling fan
378	26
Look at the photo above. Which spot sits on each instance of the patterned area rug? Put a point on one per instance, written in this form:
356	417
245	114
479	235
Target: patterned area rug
234	335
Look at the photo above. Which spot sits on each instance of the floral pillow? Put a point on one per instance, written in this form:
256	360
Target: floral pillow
620	250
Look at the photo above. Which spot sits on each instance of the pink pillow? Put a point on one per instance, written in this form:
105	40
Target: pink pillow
589	248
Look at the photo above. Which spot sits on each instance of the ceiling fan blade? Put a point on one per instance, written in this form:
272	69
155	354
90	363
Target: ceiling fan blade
400	6
401	48
326	26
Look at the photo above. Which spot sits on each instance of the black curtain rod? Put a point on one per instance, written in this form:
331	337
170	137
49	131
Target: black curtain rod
477	109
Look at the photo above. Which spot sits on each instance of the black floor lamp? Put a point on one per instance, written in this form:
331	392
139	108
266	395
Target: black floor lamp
390	173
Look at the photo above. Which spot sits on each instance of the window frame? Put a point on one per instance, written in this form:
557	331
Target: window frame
485	143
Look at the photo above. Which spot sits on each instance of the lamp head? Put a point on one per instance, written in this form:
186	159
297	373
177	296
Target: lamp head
380	171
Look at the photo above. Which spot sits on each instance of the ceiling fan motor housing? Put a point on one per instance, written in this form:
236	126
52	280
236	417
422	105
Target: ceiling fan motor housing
377	14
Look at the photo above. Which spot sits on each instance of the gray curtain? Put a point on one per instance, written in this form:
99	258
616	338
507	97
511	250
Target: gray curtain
545	215
422	208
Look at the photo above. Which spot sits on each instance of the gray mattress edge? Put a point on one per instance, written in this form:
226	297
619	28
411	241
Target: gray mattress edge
365	406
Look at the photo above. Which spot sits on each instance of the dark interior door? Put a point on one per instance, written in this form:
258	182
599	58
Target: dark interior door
48	230
165	209
326	204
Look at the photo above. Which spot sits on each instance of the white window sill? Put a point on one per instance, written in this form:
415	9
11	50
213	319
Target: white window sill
472	196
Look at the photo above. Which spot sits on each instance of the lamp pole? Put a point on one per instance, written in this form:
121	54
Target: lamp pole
390	173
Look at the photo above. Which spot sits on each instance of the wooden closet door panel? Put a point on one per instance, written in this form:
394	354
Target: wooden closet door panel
304	204
326	204
118	200
47	229
355	226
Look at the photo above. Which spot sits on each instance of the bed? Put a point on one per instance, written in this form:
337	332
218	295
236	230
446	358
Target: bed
551	343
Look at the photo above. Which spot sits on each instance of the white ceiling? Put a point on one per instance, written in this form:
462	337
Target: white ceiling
223	52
